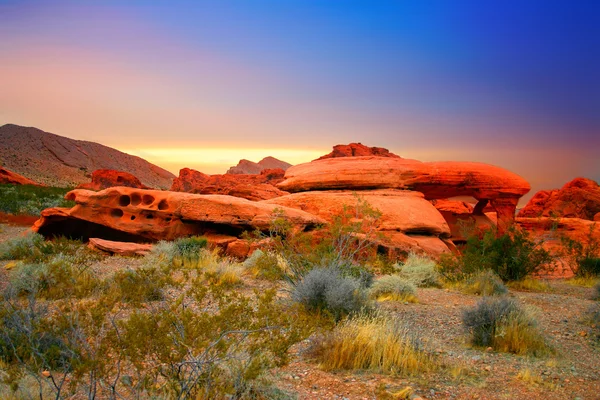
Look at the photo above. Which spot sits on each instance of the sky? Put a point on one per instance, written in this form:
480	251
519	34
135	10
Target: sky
202	84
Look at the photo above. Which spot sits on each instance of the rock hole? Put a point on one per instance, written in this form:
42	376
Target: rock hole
147	199
135	199
124	201
117	213
149	216
168	219
132	217
163	205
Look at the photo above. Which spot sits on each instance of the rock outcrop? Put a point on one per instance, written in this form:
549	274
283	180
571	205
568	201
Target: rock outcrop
59	161
9	177
579	198
249	167
462	220
500	188
251	187
107	178
407	222
137	215
357	150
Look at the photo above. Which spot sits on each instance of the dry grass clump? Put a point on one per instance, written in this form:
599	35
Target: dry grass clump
484	283
393	288
530	285
421	271
504	325
596	295
374	342
584	281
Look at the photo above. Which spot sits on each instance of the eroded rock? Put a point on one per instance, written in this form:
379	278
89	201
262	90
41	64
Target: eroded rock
138	215
579	198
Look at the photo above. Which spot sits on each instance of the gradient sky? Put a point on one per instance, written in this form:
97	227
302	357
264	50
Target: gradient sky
204	83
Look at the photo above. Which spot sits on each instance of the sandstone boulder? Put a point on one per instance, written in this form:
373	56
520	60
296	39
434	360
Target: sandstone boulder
12	178
407	222
138	215
120	248
251	187
357	150
106	178
579	198
436	180
462	220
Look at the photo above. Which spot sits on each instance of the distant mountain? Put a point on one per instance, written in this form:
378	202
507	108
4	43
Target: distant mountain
249	167
59	161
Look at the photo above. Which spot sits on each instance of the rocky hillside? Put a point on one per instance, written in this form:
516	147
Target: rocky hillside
249	167
59	161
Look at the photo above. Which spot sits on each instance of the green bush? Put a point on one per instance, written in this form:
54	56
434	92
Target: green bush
22	247
485	283
504	325
140	285
393	287
265	265
512	256
589	266
31	200
420	270
327	289
188	248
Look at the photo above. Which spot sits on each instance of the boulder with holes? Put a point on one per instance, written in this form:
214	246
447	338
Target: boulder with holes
137	215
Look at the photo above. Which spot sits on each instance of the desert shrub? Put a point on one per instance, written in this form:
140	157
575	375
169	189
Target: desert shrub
224	274
420	271
188	248
327	289
589	266
395	288
584	254
504	325
373	342
57	278
140	285
512	256
347	243
161	255
485	283
22	247
31	200
266	265
34	249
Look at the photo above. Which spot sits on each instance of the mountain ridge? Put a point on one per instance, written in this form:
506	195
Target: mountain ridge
56	160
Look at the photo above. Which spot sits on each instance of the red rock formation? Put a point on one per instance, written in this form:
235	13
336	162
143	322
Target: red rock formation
249	167
407	223
251	187
106	178
436	180
461	219
9	177
120	248
357	150
579	198
137	215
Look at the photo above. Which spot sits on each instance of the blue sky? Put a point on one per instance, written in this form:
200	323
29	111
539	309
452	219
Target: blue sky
513	83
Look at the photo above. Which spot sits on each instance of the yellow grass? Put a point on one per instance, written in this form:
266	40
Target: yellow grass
529	377
516	334
530	285
585	281
402	297
374	342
